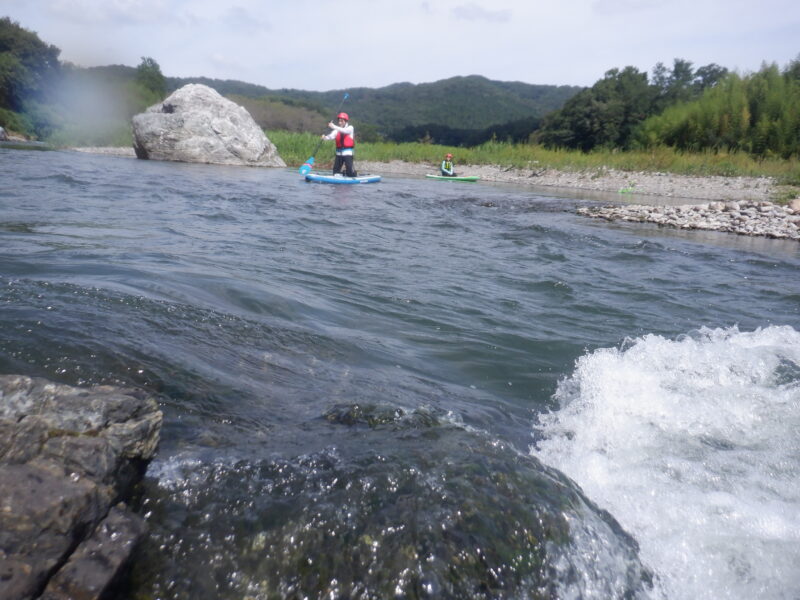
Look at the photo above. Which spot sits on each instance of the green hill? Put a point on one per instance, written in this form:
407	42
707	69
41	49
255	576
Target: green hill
461	103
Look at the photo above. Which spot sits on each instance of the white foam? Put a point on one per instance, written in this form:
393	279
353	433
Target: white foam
174	472
694	446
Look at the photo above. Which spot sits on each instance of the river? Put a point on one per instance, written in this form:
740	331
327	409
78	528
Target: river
417	388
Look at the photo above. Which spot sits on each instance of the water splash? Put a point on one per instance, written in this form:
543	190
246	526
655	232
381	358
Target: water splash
692	445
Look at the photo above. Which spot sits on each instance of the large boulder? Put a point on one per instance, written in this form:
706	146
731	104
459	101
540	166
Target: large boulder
68	460
196	124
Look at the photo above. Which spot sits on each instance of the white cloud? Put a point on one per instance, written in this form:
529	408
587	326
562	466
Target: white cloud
318	45
117	12
474	12
237	18
622	7
223	62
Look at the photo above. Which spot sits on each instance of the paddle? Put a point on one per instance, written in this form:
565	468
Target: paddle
306	168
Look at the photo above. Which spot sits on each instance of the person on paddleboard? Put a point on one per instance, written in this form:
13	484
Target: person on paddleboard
343	133
447	166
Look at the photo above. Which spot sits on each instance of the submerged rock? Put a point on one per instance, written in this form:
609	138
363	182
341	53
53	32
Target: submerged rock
68	460
377	415
196	124
428	510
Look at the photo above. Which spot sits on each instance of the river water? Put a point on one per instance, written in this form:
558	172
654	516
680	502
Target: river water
417	388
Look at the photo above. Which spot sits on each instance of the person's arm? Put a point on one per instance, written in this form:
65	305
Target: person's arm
347	130
331	134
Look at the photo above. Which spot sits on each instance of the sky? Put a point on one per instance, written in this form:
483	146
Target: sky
324	45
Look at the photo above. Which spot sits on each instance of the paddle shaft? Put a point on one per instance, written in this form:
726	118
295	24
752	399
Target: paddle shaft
319	143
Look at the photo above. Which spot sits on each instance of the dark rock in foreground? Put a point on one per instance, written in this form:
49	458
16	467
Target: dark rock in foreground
68	459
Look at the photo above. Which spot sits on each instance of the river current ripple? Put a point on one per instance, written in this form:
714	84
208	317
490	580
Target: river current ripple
417	388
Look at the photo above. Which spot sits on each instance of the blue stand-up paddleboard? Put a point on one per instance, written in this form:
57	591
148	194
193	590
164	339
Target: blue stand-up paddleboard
320	178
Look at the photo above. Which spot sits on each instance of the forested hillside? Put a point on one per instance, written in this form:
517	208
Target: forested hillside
456	107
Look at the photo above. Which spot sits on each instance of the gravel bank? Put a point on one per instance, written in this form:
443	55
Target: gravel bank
607	180
107	150
744	218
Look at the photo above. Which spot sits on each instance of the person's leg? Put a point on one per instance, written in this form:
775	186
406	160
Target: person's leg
337	164
348	163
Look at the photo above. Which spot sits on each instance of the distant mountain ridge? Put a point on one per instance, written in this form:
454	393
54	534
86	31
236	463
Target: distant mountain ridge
467	103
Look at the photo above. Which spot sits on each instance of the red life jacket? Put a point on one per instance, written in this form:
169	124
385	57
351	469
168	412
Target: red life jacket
344	140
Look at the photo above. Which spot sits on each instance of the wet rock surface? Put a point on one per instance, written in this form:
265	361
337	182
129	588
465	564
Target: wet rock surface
69	458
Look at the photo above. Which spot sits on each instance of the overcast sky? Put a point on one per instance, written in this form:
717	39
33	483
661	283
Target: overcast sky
325	45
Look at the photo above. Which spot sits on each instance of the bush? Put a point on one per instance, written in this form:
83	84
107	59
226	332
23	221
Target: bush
15	122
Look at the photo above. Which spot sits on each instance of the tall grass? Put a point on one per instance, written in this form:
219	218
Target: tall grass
295	148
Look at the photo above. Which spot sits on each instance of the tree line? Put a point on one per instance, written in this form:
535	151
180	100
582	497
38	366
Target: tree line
758	114
708	108
517	132
28	68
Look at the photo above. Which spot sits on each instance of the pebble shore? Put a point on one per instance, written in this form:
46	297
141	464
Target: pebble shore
664	185
744	218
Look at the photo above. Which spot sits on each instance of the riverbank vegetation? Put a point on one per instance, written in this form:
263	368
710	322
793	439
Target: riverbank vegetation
295	148
706	109
704	121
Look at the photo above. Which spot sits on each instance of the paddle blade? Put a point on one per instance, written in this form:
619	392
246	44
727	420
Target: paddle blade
306	168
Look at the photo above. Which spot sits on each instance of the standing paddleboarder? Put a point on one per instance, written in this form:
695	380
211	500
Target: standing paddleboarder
343	133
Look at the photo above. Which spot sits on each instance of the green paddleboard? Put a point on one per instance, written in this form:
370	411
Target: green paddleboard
468	178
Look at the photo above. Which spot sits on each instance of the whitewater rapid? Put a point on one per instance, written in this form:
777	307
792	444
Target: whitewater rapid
692	444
